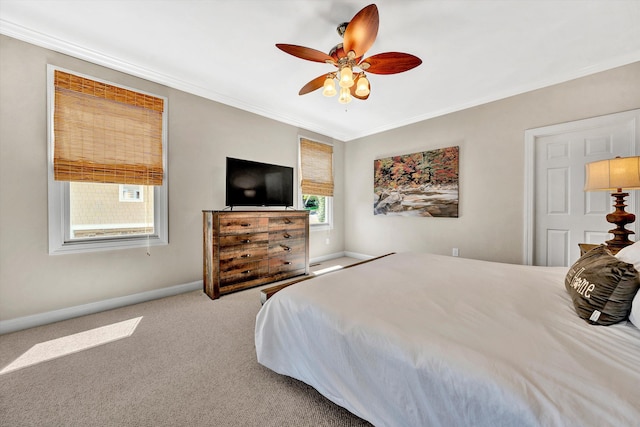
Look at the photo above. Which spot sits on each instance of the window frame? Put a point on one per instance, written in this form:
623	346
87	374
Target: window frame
328	225
59	194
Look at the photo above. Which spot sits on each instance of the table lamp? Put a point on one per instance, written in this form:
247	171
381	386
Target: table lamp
615	175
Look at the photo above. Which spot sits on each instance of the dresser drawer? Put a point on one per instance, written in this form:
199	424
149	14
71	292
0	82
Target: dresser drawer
284	263
243	239
289	247
234	225
286	223
243	271
243	253
285	236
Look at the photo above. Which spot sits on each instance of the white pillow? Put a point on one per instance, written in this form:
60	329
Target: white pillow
634	316
631	255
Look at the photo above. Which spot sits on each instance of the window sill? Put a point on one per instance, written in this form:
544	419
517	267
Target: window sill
320	227
78	247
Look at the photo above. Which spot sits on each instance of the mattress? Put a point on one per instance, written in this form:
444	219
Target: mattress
418	339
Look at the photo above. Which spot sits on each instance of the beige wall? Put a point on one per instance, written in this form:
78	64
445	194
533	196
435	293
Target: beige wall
491	139
201	134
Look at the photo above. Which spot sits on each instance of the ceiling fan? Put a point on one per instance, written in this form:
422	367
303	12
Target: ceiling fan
358	36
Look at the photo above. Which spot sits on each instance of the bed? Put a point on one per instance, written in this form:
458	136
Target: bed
416	339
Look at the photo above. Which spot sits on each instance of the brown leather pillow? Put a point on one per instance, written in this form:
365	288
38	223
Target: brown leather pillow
602	287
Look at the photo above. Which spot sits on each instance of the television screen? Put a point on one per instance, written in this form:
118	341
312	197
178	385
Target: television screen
258	184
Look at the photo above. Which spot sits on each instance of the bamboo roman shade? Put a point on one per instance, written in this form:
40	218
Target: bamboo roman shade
105	133
316	165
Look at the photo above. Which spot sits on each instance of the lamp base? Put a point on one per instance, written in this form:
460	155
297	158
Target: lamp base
620	218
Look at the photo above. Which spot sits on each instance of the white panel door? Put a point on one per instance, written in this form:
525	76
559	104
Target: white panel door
564	214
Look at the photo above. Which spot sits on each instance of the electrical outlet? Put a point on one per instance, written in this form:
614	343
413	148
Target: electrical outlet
455	252
327	241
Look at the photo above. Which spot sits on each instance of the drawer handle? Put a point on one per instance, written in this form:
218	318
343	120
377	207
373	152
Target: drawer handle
246	272
287	221
286	248
287	236
245	225
245	256
246	241
287	263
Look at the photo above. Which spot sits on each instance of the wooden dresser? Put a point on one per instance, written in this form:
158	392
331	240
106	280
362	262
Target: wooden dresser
243	249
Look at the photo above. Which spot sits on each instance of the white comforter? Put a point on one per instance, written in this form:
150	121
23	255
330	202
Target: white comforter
427	340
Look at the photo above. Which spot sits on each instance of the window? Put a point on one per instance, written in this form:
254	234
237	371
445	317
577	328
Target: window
107	165
316	181
319	209
109	210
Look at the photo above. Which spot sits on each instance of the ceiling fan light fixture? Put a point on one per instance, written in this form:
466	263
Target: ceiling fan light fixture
346	77
358	36
362	86
329	87
345	96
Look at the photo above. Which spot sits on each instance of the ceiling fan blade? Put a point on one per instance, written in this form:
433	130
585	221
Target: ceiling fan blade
314	84
362	31
389	63
305	53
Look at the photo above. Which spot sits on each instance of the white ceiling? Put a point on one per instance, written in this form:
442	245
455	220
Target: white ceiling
473	51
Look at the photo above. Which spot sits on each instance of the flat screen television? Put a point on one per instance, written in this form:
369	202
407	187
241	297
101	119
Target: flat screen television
258	184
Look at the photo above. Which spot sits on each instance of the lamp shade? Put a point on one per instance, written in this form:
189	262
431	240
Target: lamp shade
346	77
362	86
613	174
345	96
329	87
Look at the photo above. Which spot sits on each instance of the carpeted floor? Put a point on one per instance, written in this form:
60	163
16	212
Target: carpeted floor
190	362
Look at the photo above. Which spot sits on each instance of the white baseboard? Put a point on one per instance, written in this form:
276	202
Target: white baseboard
20	323
326	257
357	255
339	255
